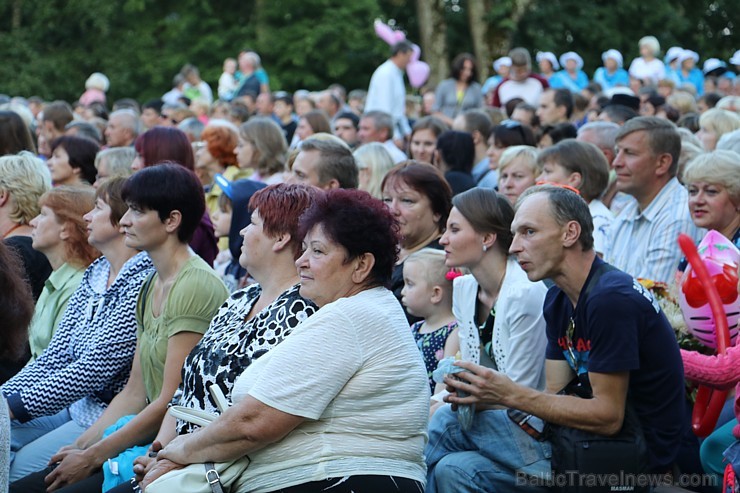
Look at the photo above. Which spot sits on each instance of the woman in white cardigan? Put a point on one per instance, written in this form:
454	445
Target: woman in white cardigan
498	309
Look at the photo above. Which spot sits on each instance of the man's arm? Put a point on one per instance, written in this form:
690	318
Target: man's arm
603	414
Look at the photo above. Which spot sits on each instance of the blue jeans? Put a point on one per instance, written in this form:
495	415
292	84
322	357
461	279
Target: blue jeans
494	455
33	443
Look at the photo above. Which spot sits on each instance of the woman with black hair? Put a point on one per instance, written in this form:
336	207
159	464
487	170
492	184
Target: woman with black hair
455	156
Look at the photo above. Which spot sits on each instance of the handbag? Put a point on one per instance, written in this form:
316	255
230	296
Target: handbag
209	477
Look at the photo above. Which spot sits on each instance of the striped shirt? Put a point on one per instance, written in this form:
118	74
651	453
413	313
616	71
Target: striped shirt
645	243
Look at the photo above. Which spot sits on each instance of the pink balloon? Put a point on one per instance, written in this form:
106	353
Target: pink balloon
385	33
400	35
418	73
416	54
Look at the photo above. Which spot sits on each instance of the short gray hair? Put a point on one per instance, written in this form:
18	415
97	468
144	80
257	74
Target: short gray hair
130	120
337	162
605	133
381	120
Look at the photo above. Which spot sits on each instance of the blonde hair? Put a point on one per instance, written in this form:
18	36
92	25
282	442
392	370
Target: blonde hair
375	157
683	101
26	179
719	121
528	155
435	269
717	167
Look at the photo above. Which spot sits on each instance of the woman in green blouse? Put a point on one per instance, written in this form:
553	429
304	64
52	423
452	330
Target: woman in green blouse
175	308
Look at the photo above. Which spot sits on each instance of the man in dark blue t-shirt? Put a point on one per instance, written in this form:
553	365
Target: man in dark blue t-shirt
599	321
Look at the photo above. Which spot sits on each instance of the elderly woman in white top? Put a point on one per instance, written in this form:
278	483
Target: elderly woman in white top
342	403
648	67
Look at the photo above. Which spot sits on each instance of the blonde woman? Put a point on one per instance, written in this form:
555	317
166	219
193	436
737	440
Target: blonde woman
518	170
713	124
373	161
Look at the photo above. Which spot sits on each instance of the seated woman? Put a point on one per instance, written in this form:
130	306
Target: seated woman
72	161
112	162
423	140
23	180
262	147
16	310
254	320
518	170
507	134
60	233
364	428
373	162
420	198
174	309
168	144
581	165
715	123
498	309
55	399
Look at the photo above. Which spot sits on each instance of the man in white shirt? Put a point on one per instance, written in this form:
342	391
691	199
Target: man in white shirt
377	126
387	91
644	235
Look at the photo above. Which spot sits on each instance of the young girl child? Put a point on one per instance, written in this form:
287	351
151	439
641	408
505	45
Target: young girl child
427	293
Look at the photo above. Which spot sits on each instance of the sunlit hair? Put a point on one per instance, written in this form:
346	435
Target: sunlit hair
374	157
435	270
25	178
110	192
69	204
118	159
280	207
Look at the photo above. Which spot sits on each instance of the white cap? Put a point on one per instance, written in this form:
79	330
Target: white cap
549	56
735	60
614	55
672	53
571	55
504	60
686	54
713	64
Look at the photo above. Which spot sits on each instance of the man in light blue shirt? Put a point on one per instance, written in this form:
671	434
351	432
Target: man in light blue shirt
644	235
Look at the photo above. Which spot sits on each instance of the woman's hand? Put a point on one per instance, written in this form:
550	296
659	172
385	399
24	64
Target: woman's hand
175	451
74	466
159	468
143	464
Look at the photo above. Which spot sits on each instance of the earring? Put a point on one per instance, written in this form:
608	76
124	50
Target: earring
485	248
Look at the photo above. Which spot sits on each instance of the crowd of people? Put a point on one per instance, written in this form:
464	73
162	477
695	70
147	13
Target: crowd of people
292	269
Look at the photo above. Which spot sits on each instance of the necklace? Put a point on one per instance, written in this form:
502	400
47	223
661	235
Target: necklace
7	233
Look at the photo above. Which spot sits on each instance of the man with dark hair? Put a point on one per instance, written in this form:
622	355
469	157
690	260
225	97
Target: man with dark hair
556	106
604	331
55	118
644	234
377	126
521	82
346	125
387	91
479	125
325	162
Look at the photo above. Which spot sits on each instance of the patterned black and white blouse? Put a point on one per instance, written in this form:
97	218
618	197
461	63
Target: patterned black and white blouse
231	344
